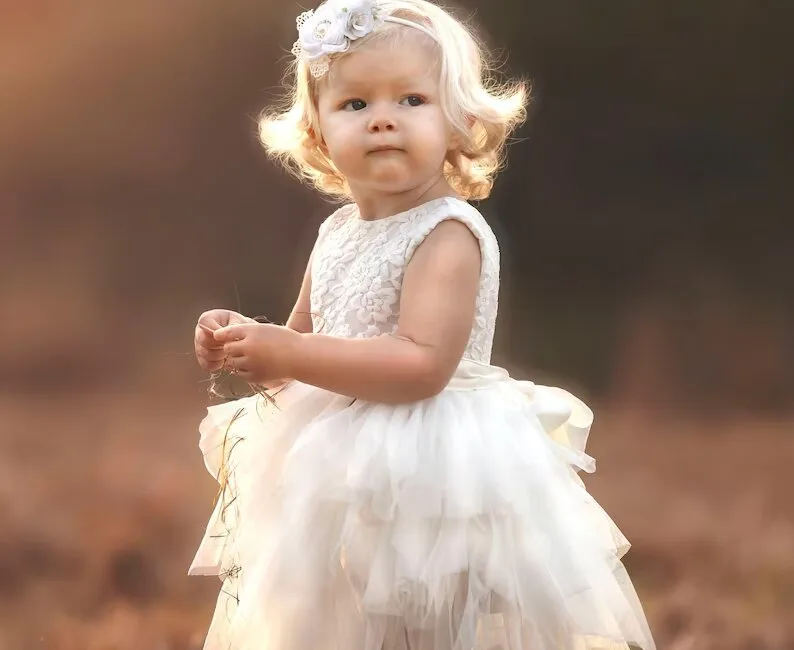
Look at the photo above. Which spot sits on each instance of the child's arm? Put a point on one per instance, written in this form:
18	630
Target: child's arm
437	307
300	319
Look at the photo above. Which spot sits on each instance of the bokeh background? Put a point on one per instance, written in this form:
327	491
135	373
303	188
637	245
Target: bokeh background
646	221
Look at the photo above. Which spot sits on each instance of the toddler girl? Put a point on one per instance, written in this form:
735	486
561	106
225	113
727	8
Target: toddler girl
396	491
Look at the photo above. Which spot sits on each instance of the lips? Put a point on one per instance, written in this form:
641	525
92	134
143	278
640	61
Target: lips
384	147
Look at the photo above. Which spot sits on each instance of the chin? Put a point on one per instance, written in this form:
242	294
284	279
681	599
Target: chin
394	181
394	187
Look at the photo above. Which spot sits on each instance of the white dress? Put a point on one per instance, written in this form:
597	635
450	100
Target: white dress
454	523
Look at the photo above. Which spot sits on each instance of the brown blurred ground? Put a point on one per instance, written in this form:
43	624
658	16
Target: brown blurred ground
105	497
646	224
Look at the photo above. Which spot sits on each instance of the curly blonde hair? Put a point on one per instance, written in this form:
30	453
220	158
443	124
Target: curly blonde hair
481	111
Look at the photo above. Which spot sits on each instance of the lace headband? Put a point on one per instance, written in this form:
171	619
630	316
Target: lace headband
334	24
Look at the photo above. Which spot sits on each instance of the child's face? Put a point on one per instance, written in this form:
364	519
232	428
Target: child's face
381	119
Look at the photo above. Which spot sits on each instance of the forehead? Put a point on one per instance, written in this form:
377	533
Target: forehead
404	57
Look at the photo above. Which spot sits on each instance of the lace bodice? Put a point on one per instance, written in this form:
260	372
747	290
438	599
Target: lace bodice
358	266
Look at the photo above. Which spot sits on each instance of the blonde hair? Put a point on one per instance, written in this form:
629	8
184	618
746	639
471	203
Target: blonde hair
481	111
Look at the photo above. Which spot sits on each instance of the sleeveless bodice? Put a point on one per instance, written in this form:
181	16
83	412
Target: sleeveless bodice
358	267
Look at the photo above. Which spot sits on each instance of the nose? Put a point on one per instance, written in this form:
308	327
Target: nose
381	121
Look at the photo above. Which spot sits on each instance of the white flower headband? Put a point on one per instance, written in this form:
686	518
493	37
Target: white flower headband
333	25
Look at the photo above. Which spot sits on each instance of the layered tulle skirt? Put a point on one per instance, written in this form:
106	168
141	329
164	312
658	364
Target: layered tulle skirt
455	523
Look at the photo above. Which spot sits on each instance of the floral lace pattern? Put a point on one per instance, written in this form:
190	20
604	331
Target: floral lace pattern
358	267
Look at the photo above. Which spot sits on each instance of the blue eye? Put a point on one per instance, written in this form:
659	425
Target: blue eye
413	100
354	105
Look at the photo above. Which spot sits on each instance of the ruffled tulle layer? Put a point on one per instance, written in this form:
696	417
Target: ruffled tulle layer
454	523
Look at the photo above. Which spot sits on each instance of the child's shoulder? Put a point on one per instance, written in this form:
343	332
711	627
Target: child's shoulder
453	208
444	209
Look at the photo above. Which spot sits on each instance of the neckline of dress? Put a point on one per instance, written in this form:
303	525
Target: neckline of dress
394	217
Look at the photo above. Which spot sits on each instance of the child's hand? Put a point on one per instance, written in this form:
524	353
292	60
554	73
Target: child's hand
258	352
209	353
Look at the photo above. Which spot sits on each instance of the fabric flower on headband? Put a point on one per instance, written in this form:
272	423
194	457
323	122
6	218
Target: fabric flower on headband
330	28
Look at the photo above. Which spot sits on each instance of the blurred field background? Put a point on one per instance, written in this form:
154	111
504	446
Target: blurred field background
646	218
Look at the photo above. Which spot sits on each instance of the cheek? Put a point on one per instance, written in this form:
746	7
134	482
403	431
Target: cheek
435	130
339	146
435	139
337	134
342	147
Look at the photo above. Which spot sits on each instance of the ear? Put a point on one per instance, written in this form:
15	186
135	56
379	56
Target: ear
317	138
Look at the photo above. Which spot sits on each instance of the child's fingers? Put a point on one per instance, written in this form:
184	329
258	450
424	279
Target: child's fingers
238	365
239	319
231	333
236	350
211	354
210	366
210	361
206	339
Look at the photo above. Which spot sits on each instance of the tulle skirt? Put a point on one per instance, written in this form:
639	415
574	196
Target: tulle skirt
454	523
